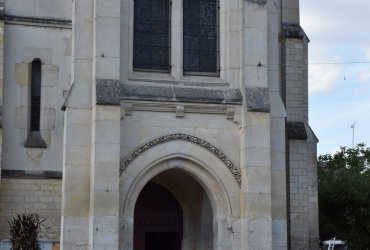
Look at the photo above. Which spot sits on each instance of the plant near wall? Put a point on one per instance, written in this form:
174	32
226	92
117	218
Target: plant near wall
24	231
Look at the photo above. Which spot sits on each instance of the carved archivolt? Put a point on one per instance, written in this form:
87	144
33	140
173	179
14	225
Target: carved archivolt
182	137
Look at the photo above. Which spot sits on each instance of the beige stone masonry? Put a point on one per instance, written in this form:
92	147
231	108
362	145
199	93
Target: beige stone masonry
77	149
31	195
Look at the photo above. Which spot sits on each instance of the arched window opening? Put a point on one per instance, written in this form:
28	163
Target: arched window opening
151	35
34	139
200	37
35	95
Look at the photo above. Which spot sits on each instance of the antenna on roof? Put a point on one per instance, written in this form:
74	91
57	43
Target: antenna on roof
353	134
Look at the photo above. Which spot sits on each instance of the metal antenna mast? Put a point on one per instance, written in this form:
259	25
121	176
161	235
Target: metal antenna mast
353	134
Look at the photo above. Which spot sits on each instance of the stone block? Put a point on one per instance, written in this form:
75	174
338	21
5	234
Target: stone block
50	75
22	73
79	155
258	180
44	54
105	203
107	152
106	176
107	8
76	189
106	112
74	232
107	67
107	40
108	92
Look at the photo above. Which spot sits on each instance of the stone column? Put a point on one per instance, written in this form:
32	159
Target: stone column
278	131
77	133
105	155
256	214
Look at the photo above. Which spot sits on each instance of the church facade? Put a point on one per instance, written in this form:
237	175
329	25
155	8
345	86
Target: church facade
158	124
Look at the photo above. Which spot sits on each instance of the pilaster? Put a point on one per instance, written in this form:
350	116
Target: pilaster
105	154
256	211
77	133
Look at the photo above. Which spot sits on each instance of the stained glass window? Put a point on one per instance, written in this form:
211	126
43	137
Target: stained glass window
151	35
201	52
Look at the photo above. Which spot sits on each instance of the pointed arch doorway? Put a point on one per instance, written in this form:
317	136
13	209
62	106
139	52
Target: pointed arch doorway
158	220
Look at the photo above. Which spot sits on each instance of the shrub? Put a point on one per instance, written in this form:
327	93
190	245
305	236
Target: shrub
24	231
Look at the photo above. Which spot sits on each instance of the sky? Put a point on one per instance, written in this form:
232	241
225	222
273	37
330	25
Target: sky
339	71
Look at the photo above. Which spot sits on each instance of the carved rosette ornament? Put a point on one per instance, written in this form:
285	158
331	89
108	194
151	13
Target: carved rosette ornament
182	137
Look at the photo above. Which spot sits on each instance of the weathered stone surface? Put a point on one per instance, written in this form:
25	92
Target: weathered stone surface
232	95
107	92
190	94
292	30
296	131
145	92
257	99
196	95
34	140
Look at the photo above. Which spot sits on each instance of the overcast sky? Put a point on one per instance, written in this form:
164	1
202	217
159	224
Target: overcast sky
339	94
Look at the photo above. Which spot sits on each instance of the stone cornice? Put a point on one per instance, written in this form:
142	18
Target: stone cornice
31	174
258	99
180	94
35	21
180	109
296	131
182	137
292	30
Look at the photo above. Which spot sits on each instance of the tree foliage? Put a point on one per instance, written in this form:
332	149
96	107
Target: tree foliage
24	231
344	196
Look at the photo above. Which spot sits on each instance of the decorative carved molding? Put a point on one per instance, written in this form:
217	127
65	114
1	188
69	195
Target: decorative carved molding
180	109
182	137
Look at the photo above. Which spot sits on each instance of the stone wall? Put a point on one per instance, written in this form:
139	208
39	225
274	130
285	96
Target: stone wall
303	199
31	195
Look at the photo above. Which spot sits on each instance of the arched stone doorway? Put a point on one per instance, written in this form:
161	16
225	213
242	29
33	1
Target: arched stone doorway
173	212
157	220
208	202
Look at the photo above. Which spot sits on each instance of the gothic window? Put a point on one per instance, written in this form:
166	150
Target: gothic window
35	95
200	37
151	35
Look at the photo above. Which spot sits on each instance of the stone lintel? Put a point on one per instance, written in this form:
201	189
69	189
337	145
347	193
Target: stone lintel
180	94
30	174
293	30
260	2
34	140
257	99
296	131
108	92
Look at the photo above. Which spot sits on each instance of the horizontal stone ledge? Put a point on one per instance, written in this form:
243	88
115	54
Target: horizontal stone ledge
258	99
180	94
30	174
292	30
53	22
296	131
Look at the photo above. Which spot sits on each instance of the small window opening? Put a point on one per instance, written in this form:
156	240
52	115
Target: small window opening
35	95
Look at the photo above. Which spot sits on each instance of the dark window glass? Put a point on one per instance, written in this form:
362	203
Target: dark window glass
200	36
35	95
151	35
